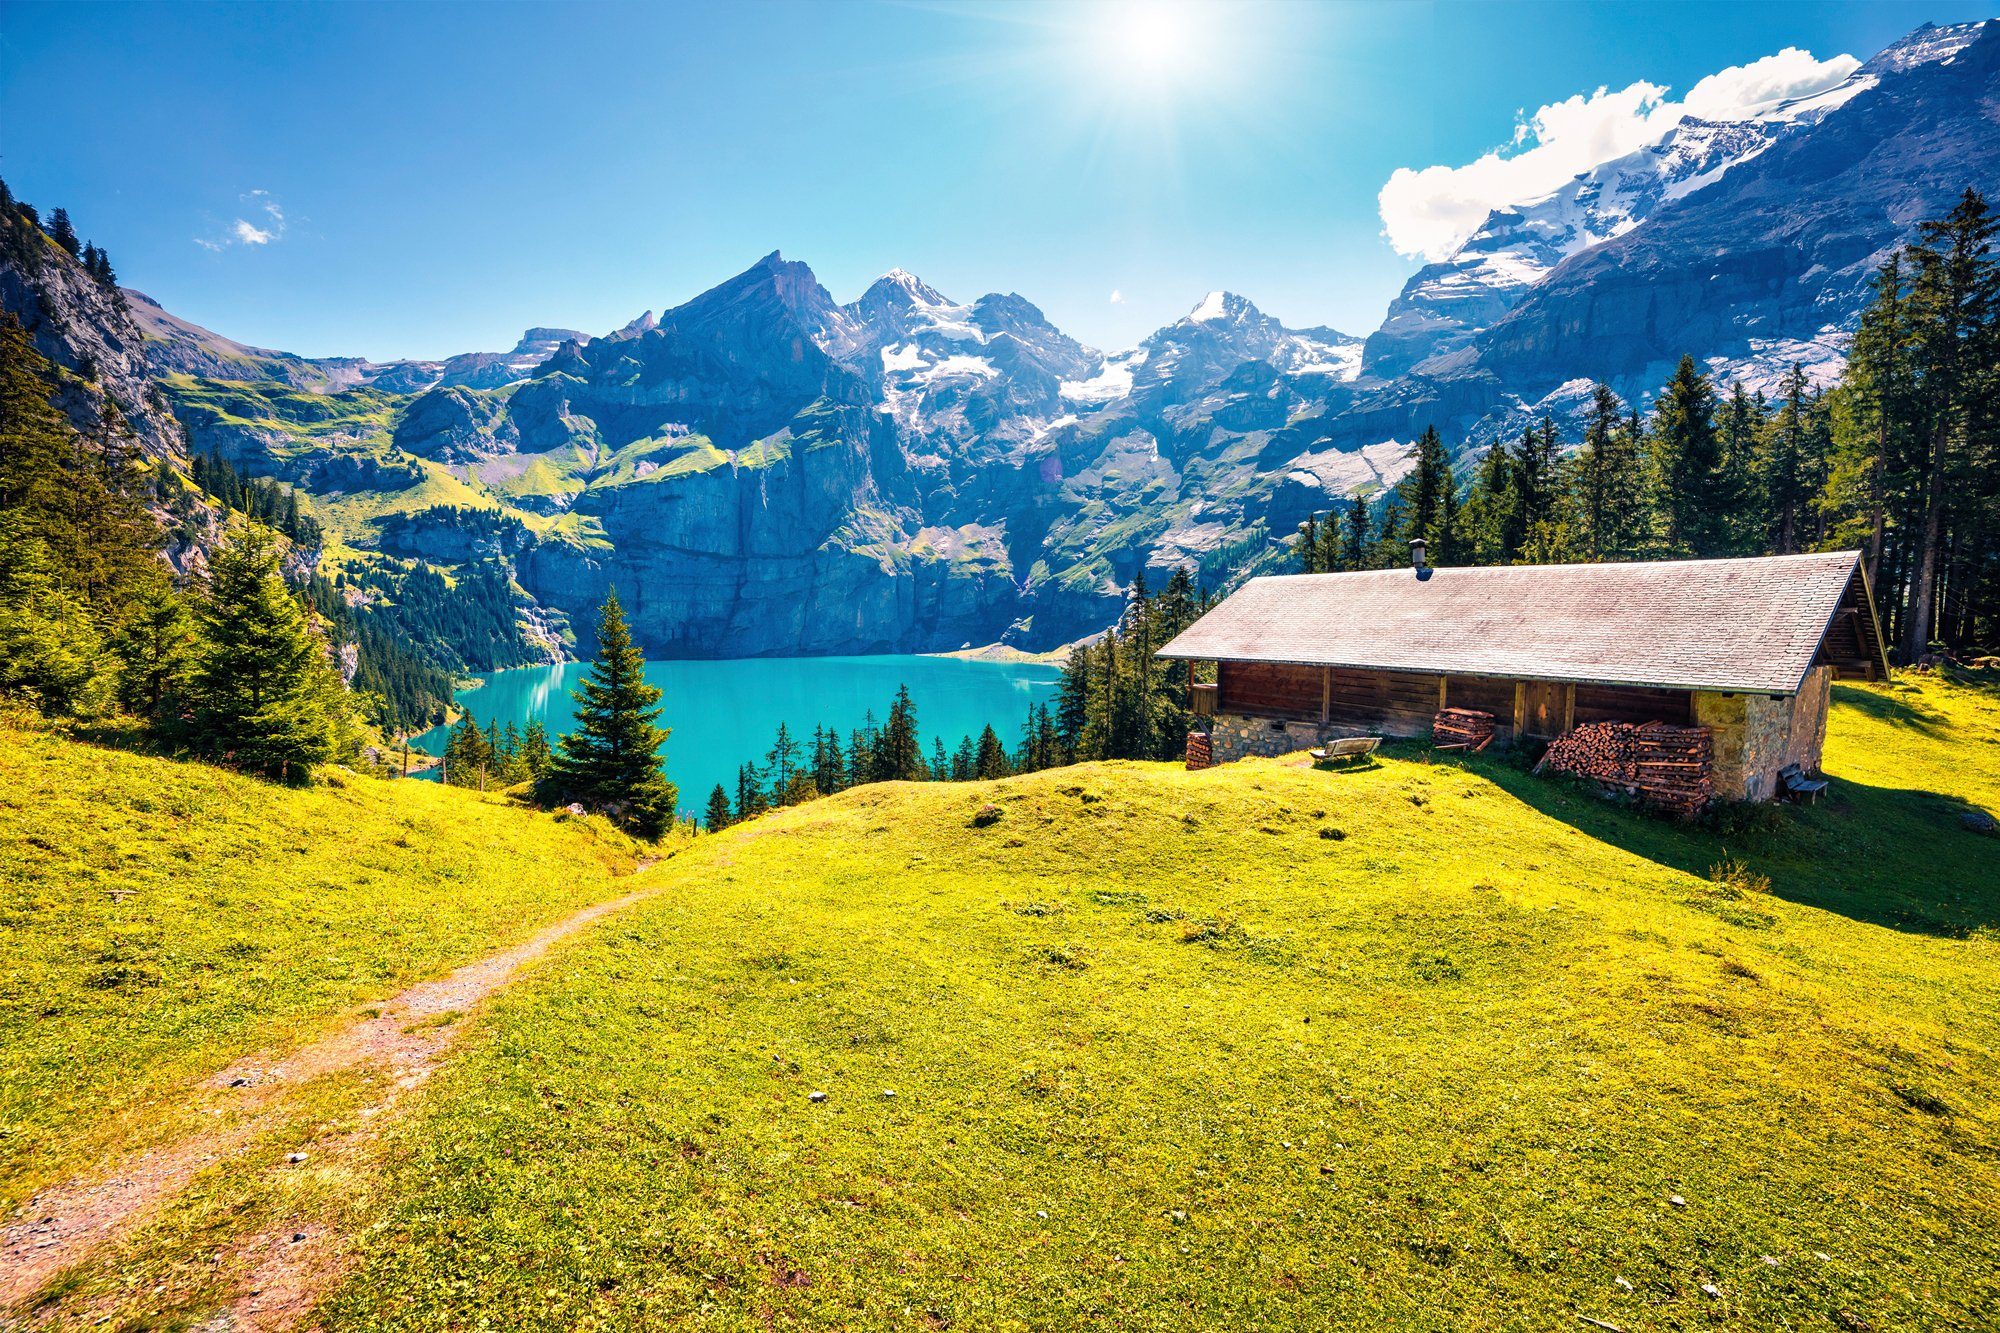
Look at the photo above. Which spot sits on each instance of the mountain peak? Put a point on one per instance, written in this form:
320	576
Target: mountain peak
1223	307
902	287
1929	44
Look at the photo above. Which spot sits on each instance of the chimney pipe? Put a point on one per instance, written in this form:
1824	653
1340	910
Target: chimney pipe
1417	555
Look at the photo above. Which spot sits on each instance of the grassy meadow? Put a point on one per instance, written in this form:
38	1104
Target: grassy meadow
159	920
1430	1044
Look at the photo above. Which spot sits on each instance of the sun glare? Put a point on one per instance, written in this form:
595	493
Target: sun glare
1149	41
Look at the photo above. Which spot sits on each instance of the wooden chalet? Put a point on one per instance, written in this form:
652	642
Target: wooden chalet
1747	648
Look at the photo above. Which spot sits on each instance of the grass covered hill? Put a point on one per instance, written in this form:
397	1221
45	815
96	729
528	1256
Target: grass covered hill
159	920
1429	1044
1432	1045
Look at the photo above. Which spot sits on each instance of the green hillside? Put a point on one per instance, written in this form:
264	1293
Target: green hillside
160	919
1430	1044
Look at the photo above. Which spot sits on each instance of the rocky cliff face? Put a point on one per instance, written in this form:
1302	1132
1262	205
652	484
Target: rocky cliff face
89	332
1771	262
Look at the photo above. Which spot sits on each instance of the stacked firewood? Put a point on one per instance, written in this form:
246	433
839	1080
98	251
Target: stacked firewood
1199	752
1462	726
1670	767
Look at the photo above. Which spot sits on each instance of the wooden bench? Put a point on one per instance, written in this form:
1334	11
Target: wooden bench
1346	748
1796	786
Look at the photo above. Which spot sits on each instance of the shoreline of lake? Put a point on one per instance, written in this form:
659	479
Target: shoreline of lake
722	713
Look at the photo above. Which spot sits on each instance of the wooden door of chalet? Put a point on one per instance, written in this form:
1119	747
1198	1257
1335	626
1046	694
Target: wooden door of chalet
1542	709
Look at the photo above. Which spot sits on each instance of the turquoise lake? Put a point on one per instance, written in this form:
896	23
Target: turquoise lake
724	713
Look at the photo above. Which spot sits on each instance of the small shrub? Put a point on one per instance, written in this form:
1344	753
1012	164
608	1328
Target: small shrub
1034	909
987	815
1201	932
1332	834
1161	915
1738	879
1116	898
1065	959
1435	967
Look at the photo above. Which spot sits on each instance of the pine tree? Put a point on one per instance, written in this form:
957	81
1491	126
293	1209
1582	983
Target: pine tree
612	760
899	755
1354	535
51	654
1686	465
940	761
1955	322
156	652
750	798
717	817
1610	483
783	755
536	756
1430	499
63	232
265	698
990	756
1537	491
1488	516
1784	489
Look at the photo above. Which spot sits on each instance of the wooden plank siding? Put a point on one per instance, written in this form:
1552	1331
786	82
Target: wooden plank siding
1267	689
1487	694
1403	702
1399	703
1631	703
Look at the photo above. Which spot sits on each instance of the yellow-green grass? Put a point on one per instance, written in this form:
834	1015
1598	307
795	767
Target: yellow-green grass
1425	1045
159	920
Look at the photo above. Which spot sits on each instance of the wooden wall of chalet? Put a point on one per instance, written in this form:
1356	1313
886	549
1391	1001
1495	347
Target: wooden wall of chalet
1266	689
1402	703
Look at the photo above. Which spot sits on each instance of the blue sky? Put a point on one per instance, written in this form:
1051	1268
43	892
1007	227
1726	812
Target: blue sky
416	180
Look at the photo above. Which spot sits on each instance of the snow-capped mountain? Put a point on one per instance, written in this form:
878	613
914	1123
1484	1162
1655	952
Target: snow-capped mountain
1446	304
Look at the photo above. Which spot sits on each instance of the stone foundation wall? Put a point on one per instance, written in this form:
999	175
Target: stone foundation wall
1232	736
1756	735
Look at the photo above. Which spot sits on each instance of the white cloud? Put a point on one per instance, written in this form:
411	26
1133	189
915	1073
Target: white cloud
269	227
1429	212
1117	297
1748	90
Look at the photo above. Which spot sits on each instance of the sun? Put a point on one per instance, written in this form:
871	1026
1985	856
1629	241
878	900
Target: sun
1149	41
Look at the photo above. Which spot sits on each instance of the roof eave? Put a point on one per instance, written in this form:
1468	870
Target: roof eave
1713	687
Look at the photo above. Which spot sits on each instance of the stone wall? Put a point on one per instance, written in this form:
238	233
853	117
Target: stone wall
1756	735
1234	736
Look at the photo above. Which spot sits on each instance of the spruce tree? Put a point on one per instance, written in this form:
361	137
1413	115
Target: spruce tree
899	755
156	652
611	761
1784	490
536	756
1686	464
717	818
783	755
264	696
990	757
63	232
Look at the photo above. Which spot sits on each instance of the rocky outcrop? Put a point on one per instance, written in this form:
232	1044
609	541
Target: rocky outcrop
456	425
86	328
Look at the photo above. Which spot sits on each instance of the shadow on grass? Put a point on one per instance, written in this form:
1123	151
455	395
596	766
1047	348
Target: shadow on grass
1894	858
1887	708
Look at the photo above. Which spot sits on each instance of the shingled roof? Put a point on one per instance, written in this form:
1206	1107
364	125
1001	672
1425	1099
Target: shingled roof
1750	625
